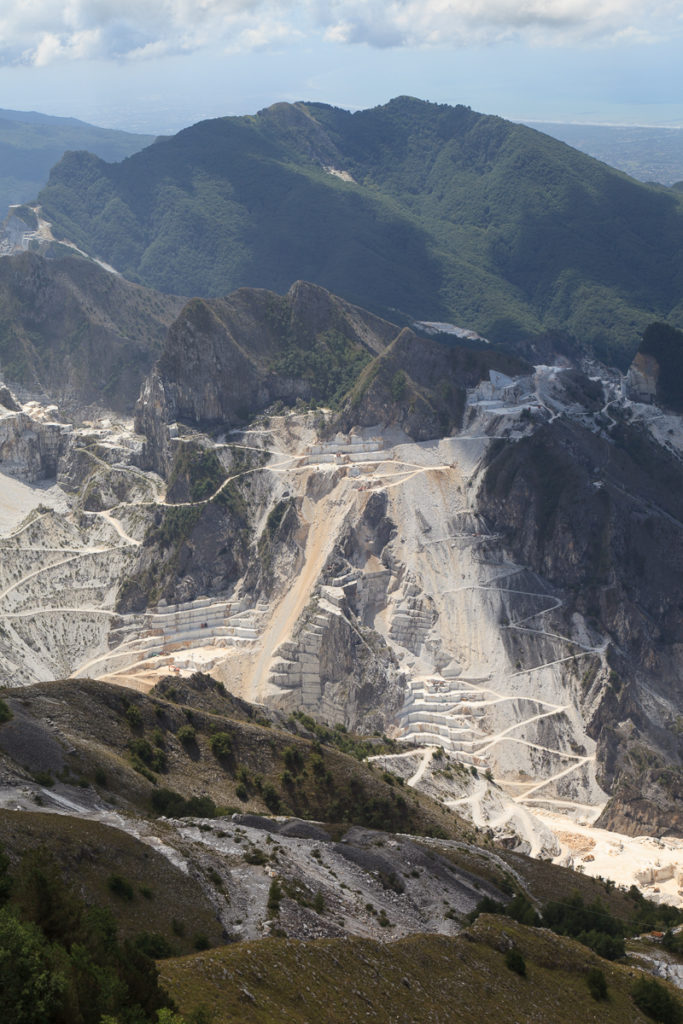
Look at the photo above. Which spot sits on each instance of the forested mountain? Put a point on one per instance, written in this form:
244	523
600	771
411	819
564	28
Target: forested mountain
412	208
30	143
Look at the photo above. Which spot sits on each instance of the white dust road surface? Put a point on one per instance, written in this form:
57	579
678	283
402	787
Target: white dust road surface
17	499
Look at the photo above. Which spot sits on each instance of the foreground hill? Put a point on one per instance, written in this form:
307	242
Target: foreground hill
435	211
342	912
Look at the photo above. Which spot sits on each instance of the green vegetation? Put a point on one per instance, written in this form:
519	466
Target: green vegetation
648	154
170	804
418	978
187	735
657	1002
32	143
221	746
349	743
451	214
591	924
196	473
61	961
120	887
331	363
5	713
145	756
514	961
597	984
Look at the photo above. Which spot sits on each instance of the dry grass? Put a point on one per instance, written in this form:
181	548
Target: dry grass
89	853
417	980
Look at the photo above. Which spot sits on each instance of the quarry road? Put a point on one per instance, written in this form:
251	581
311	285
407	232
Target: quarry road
116	525
426	758
554	778
87	552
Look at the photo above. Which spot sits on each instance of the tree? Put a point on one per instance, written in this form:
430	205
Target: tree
31	985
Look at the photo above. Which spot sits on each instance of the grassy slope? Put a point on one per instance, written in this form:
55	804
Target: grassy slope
421	979
453	214
341	790
89	853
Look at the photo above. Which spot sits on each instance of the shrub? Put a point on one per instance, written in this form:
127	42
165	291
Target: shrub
121	887
514	961
201	942
255	856
241	793
158	738
221	745
174	805
597	985
274	898
153	945
187	735
656	1001
271	797
145	755
134	716
293	759
5	713
319	903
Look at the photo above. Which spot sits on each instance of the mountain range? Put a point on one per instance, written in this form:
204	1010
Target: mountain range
31	143
414	210
328	617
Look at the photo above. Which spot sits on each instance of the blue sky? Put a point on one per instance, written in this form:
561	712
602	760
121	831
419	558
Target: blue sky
157	65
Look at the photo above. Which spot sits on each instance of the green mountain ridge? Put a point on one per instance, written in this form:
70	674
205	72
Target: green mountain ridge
31	143
432	212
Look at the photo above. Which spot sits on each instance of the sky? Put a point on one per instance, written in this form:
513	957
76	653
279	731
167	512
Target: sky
159	65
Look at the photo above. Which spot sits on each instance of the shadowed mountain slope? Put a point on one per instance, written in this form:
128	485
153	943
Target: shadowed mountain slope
435	211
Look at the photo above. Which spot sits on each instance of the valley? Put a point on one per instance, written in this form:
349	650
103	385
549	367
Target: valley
388	601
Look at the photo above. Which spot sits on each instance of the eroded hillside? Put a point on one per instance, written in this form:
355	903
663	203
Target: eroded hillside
469	561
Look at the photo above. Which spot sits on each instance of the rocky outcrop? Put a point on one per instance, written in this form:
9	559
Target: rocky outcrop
30	449
226	359
85	335
599	515
419	385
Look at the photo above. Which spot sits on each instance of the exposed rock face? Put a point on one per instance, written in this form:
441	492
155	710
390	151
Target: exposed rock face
414	384
600	517
29	448
642	377
76	331
225	359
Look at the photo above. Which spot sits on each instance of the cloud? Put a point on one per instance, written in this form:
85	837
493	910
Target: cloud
40	32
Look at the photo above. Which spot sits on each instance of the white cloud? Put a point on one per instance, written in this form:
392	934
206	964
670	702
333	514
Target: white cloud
43	31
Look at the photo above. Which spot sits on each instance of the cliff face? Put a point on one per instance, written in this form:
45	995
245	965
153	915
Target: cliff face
30	446
599	515
83	335
224	360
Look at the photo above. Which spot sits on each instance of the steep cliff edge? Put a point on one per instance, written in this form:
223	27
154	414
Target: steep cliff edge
78	333
599	514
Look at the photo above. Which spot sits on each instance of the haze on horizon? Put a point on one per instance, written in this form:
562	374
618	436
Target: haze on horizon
157	66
